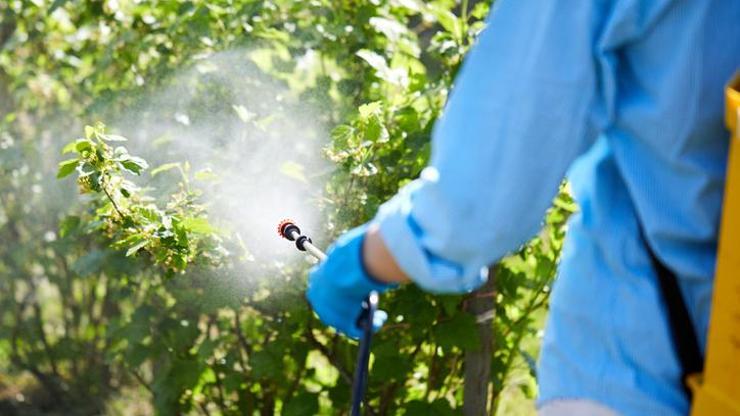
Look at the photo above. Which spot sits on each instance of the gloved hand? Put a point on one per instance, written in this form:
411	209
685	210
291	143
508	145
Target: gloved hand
338	285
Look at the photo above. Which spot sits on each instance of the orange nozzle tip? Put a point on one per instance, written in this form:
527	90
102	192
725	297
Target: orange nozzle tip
282	227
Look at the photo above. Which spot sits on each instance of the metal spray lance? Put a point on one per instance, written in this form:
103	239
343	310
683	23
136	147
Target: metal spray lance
288	230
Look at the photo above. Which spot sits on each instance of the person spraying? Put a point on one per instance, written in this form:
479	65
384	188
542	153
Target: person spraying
625	100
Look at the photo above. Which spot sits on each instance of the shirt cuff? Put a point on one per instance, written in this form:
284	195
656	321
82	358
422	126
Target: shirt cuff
404	238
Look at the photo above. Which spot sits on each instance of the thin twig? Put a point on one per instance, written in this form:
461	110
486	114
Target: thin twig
141	380
346	376
112	201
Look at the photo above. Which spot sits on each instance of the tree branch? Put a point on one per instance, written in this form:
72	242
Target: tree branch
477	369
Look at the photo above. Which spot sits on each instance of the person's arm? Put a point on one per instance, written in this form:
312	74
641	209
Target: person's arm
379	261
527	102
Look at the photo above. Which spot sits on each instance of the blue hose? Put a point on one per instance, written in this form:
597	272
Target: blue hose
365	322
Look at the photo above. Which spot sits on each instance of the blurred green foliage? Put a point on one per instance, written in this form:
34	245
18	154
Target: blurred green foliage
135	289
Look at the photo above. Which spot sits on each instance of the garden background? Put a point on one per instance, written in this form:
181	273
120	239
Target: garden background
148	279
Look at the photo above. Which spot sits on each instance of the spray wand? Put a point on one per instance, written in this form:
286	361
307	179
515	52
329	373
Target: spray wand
288	230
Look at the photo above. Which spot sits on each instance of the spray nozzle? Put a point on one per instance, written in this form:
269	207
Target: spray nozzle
289	231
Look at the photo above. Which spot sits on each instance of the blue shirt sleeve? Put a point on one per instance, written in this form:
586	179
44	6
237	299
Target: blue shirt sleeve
529	99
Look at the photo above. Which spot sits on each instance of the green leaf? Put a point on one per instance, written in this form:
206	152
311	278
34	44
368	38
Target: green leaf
82	145
78	146
392	29
136	247
342	134
439	407
89	263
57	4
113	138
151	214
134	165
69	147
408	119
198	225
244	115
206	348
67	167
569	206
450	303
447	20
370	109
266	364
137	354
265	122
185	373
374	59
480	10
89	132
235	382
531	362
208	376
395	76
164	168
205	175
304	403
391	366
375	131
460	331
294	170
68	225
273	34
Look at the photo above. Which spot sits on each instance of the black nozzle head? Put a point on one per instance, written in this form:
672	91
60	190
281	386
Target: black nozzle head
286	229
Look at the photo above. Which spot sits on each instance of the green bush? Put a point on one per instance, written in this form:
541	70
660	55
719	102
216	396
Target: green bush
138	291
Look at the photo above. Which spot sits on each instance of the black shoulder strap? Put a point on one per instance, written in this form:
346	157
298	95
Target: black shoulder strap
682	329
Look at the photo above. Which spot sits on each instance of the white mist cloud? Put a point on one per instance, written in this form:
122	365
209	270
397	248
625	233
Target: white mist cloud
227	119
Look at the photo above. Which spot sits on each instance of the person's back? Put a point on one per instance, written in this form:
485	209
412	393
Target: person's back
659	164
628	96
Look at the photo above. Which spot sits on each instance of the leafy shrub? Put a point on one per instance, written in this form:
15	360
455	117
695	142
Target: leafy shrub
131	287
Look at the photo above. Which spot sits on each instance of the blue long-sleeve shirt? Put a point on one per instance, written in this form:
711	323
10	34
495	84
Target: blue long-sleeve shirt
627	95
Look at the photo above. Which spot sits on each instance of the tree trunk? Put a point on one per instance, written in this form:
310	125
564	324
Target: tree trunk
477	377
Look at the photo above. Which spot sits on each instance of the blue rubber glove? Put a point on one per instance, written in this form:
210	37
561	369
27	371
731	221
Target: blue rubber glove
338	285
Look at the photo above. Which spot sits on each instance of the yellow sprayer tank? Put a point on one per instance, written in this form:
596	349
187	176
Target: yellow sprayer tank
717	391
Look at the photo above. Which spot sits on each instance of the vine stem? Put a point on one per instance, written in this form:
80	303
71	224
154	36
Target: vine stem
464	18
113	202
110	198
141	380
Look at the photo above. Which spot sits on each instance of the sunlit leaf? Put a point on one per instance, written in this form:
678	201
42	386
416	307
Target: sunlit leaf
294	170
164	168
366	110
198	225
342	134
89	132
206	174
392	29
134	165
136	247
67	167
244	115
447	20
113	138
